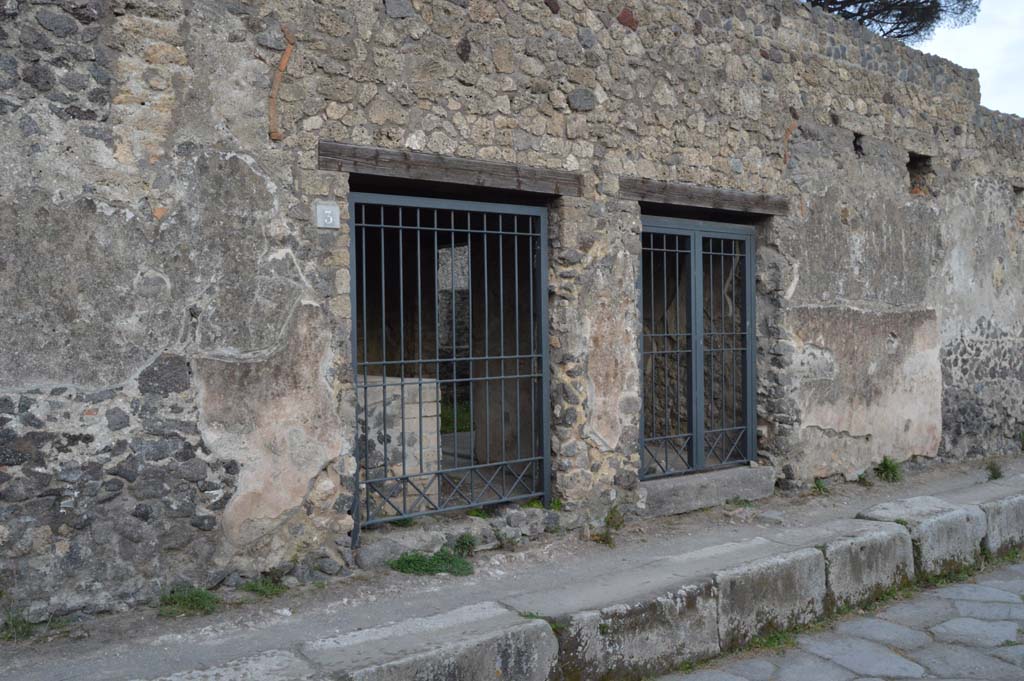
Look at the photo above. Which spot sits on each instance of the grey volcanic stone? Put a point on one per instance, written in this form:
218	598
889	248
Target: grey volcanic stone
951	661
888	633
168	374
582	99
117	418
57	23
866	658
399	9
977	592
976	632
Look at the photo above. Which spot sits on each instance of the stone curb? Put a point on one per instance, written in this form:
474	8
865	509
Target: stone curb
843	564
945	536
798	577
481	641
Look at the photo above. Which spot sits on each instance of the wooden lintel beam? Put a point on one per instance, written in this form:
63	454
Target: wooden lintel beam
417	165
684	194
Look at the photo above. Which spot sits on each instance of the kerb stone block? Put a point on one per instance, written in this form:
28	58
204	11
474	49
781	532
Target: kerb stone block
643	638
867	559
482	641
1004	519
770	594
945	536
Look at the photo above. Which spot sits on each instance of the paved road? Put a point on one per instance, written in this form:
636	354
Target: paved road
954	633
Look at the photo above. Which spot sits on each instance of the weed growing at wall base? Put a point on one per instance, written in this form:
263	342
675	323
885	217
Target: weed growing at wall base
16	628
995	471
889	470
444	561
188	600
267	587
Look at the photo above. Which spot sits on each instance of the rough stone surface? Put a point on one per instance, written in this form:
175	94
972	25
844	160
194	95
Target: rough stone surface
933	643
480	641
872	558
945	536
670	496
159	256
769	594
638	639
1004	520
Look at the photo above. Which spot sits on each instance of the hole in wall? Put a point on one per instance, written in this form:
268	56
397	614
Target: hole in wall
919	167
858	144
1018	191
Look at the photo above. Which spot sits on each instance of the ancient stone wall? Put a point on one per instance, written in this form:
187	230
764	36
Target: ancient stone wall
175	361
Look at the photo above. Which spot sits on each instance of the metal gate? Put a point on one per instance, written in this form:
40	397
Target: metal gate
450	351
697	346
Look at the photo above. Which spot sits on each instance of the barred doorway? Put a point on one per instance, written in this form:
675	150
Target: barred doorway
697	346
450	353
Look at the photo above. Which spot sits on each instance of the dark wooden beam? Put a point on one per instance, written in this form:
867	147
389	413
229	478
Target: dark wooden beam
684	194
416	165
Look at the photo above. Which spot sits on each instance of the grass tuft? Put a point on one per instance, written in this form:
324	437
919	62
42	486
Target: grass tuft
444	561
739	501
16	628
188	600
465	545
484	513
773	640
995	471
889	470
404	522
864	481
266	586
820	488
614	519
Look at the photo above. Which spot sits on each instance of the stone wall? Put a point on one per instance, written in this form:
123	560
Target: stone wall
176	333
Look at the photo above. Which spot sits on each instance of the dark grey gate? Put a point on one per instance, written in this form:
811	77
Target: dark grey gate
450	348
697	346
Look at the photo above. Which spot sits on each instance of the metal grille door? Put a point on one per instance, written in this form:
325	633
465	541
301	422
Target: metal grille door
697	346
450	344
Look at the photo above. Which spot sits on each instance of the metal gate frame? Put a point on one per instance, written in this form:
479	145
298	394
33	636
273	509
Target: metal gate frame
696	231
540	286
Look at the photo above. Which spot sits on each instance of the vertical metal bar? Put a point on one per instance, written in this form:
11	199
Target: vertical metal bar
535	449
668	445
353	292
384	350
697	305
455	346
436	304
501	352
676	343
469	332
517	351
401	346
655	345
750	320
419	327
542	293
487	351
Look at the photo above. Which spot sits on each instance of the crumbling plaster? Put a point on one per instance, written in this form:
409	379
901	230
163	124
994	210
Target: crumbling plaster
150	227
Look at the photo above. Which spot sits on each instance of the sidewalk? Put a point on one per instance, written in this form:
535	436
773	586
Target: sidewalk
672	590
967	631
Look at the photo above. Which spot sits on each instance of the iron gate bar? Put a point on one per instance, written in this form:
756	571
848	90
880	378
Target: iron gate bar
449	486
709	349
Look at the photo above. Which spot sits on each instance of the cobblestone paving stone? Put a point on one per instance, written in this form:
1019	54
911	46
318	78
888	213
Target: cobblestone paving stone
955	633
